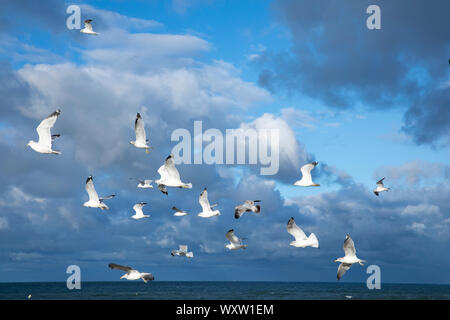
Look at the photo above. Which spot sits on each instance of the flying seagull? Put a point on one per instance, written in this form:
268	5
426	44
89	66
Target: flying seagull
94	200
235	242
248	206
170	177
44	145
138	209
380	187
301	240
182	252
88	27
349	259
306	180
178	212
132	274
141	139
207	212
144	184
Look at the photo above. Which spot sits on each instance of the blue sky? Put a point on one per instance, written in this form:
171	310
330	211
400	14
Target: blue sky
364	103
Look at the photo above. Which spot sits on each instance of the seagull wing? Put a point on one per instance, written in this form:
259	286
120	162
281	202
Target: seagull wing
147	277
232	237
203	200
239	211
88	25
349	247
90	189
306	171
343	267
172	171
140	130
176	209
295	230
43	129
380	183
107	197
119	267
138	208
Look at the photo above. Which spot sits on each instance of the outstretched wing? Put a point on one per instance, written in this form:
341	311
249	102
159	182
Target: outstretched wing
88	25
90	189
306	171
43	129
147	277
119	267
140	130
349	246
107	197
203	200
295	230
171	169
380	183
232	237
239	211
343	267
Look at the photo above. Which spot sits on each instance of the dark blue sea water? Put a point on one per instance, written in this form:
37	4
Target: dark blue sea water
219	290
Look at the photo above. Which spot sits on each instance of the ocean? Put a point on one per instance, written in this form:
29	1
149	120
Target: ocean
165	290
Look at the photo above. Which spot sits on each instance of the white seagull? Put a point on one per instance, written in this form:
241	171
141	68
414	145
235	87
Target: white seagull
144	184
132	274
94	200
301	240
170	177
44	145
178	212
207	211
182	252
88	27
248	206
138	209
380	187
349	259
235	242
306	180
141	139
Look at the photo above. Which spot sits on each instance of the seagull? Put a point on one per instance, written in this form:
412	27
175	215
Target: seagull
141	139
248	206
178	212
44	145
306	180
206	207
170	177
349	259
182	252
144	184
301	240
380	187
138	209
235	242
88	27
94	200
132	274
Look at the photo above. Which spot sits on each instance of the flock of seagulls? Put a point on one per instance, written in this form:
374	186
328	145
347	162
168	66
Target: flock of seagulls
170	177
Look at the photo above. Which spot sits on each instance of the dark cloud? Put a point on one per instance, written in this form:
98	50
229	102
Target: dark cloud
428	118
335	58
